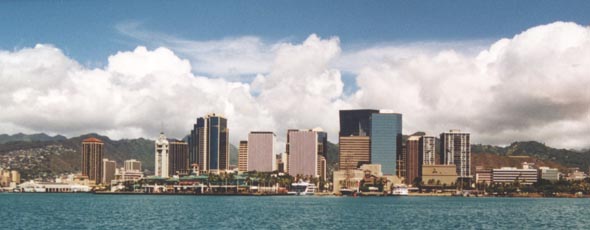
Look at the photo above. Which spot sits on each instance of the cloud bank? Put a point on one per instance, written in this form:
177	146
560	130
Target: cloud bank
533	86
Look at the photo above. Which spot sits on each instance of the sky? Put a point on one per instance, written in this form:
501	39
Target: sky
502	70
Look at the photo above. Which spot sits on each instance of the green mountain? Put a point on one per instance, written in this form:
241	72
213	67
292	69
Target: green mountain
565	157
4	138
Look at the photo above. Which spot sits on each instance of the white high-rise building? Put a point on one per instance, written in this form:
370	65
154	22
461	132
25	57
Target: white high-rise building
456	149
428	150
162	148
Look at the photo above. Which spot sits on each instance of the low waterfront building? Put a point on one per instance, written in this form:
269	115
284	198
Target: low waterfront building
511	175
483	175
576	174
439	175
550	174
33	186
351	178
128	175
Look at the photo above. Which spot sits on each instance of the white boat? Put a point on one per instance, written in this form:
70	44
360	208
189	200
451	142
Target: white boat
399	190
302	189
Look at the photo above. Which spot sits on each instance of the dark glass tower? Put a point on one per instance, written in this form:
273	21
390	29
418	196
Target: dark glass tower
209	143
354	139
356	122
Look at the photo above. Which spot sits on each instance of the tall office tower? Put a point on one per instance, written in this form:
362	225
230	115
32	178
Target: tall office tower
322	167
413	159
354	140
178	160
108	170
428	150
456	149
243	156
192	146
209	143
197	138
261	152
401	162
386	140
304	147
322	153
92	153
132	165
161	164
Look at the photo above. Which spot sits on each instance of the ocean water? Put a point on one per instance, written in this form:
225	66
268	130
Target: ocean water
88	211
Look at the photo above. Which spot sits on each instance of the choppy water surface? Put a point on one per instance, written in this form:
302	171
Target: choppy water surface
88	211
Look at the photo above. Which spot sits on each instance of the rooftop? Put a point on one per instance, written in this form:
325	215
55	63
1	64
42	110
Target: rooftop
92	139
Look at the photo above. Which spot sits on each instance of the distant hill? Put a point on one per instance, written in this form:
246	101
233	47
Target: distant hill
56	155
539	151
4	138
47	157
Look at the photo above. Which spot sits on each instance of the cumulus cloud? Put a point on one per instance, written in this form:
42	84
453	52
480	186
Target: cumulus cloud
529	87
532	86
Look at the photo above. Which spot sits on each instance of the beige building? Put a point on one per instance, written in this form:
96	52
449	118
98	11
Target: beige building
436	175
354	151
351	178
132	165
108	170
243	156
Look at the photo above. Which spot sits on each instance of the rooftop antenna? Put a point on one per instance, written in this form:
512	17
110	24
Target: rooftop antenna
161	127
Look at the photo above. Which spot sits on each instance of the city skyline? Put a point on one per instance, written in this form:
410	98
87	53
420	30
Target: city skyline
523	80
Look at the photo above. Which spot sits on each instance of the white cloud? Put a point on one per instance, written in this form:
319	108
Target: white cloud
236	58
521	88
531	86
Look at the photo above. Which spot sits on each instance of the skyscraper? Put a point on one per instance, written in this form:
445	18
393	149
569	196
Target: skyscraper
456	149
401	162
428	150
304	148
178	160
161	164
243	156
413	159
386	140
261	151
108	170
354	138
92	154
209	143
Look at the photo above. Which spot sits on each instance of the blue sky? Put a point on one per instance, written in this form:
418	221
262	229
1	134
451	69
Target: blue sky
86	30
443	64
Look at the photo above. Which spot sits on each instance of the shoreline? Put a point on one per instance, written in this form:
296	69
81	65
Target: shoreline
315	195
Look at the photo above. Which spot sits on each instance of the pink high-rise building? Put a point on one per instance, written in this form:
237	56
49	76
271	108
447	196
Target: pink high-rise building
306	149
261	152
